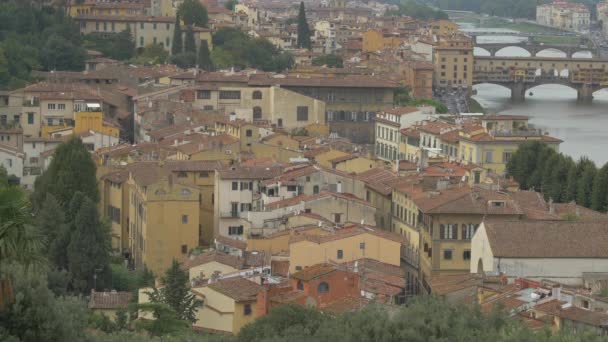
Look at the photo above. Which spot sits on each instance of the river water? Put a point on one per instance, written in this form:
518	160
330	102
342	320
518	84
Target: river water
553	108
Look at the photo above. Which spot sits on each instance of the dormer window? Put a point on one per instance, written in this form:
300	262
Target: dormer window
498	204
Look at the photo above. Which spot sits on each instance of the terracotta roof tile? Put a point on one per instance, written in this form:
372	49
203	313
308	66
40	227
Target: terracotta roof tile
238	288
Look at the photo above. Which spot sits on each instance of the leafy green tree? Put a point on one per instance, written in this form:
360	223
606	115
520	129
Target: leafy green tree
599	200
204	57
59	53
184	59
176	294
122	319
177	46
571	183
88	249
587	170
189	42
152	54
286	322
331	61
194	13
51	223
303	29
231	4
166	321
3	177
119	46
71	170
19	240
37	315
145	278
440	107
401	96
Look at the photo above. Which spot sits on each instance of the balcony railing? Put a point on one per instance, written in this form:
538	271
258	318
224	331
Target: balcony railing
229	214
31	103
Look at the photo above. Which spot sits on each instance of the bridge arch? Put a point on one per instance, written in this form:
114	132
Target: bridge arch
481	51
550	51
503	52
582	54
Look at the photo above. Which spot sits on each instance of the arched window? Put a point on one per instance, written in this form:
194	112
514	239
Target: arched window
300	285
186	192
323	287
257	113
257	95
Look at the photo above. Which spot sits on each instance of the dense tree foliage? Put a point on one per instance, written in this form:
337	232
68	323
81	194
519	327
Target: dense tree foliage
303	29
415	9
189	41
71	170
35	37
152	54
192	12
234	48
331	61
37	315
204	57
88	251
231	4
539	167
176	293
119	46
402	98
177	46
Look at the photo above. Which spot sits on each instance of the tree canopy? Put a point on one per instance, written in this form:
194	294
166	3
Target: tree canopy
303	29
192	12
537	166
119	46
34	37
71	170
331	61
234	48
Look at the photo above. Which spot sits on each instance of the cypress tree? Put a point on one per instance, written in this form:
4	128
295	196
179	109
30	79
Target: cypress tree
72	170
599	200
177	37
584	186
176	293
204	59
52	224
88	251
571	183
189	43
303	29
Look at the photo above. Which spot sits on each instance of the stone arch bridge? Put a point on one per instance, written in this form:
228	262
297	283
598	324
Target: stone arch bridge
534	49
520	74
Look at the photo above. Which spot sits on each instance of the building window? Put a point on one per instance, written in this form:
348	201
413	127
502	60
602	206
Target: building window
337	218
141	26
489	156
245	186
236	230
248	133
447	254
257	95
184	249
323	287
235	185
230	95
302	113
315	189
184	219
141	41
203	94
340	254
51	106
247	310
298	268
506	156
448	231
468	230
466	255
203	174
300	285
61	106
257	113
30	118
182	174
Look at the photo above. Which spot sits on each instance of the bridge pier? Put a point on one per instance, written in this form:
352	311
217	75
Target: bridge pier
585	93
518	92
